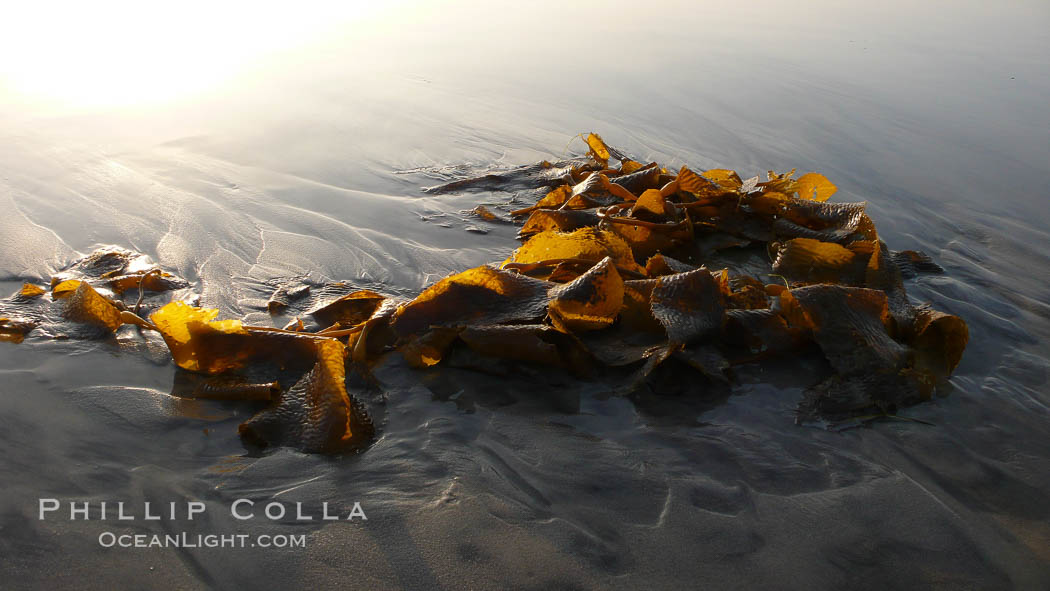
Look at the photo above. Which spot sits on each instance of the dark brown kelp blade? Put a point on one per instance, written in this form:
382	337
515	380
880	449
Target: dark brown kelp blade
316	415
849	324
153	280
839	398
542	174
349	310
912	263
762	331
939	340
430	347
285	295
688	305
520	343
120	270
223	387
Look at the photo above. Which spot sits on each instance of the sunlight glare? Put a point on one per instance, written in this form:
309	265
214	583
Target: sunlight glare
120	53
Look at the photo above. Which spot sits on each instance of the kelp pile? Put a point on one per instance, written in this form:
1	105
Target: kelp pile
632	268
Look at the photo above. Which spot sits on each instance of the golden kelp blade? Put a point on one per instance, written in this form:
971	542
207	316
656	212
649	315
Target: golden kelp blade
778	183
630	166
727	179
190	334
14	330
64	289
653	203
85	305
586	243
316	415
813	261
484	213
598	150
770	203
690	182
31	291
592	301
563	220
815	186
554	199
482	295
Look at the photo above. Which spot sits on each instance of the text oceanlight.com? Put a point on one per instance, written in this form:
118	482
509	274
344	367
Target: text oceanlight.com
185	540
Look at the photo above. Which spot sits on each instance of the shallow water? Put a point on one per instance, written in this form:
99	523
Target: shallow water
310	161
